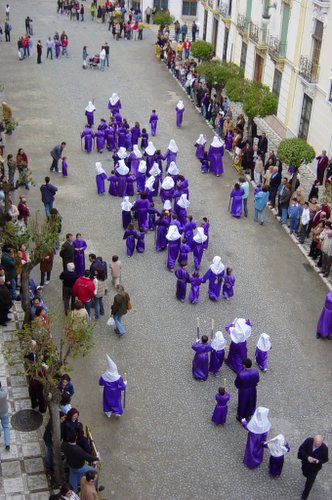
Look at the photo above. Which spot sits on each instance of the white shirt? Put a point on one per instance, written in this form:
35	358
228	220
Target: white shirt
305	217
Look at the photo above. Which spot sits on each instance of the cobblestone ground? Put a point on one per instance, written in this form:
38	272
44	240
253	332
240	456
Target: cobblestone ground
164	447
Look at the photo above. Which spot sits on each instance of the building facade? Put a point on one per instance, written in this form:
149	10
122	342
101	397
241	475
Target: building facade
284	44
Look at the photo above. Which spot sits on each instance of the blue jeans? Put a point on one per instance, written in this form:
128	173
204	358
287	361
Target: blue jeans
5	425
48	456
284	213
245	206
294	225
54	165
102	64
259	213
119	328
87	306
107	60
13	288
75	475
99	307
48	208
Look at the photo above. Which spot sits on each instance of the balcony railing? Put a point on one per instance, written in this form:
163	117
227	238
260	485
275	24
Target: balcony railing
308	69
242	23
277	49
258	35
224	10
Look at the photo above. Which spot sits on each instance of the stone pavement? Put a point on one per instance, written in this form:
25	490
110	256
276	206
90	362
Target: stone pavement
22	468
165	447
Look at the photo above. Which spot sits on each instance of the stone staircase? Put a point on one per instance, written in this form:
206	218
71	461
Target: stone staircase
155	27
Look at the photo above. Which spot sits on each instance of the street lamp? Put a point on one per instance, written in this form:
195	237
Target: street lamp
266	9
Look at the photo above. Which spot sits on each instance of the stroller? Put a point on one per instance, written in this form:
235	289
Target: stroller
94	61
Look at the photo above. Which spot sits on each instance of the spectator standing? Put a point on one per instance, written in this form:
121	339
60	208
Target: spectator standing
8	29
4	415
194	29
8	262
5	301
68	277
115	267
49	47
39	52
313	453
56	154
67	251
48	192
84	290
263	145
305	219
121	305
184	31
46	266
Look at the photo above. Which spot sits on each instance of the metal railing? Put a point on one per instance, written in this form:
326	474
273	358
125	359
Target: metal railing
224	10
258	35
277	49
242	23
308	69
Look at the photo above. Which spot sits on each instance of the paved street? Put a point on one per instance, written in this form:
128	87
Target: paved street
165	447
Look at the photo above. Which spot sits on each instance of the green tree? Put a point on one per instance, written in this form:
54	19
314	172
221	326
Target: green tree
202	50
163	17
51	360
40	237
217	74
295	152
236	89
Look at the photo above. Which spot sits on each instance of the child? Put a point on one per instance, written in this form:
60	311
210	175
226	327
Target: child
130	190
294	212
57	45
126	212
113	187
184	250
200	147
278	449
152	211
64	166
140	245
206	226
130	235
101	176
182	279
262	348
205	165
218	345
153	123
158	159
144	139
115	267
141	176
229	280
195	282
198	247
220	412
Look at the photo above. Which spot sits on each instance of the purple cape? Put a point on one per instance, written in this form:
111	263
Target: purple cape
216	360
236	205
194	289
215	281
198	249
173	252
129	236
88	138
100	182
162	228
179	116
122	185
113	187
220	412
181	284
237	354
227	288
200	149
142	207
126	218
261	359
253	455
90	117
112	395
324	326
153	123
246	382
200	366
215	159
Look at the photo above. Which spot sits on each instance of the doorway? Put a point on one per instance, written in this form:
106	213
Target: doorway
215	35
258	73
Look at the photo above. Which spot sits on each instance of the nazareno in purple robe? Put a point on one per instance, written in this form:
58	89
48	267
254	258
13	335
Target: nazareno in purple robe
194	289
112	395
126	218
135	134
122	185
215	159
216	360
88	139
179	116
140	182
173	252
153	123
237	354
64	168
90	117
181	284
324	325
144	140
188	230
200	149
169	156
142	207
206	227
215	281
134	162
236	202
130	190
276	463
261	358
254	452
229	140
100	140
161	228
130	235
140	245
110	138
166	194
200	368
198	249
79	257
113	187
227	288
100	182
246	383
183	254
220	412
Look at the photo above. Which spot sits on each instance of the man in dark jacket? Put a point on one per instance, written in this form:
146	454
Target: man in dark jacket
48	192
56	154
5	302
8	262
275	181
313	453
76	458
263	145
67	251
68	278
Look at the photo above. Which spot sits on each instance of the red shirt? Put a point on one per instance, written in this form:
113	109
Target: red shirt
84	289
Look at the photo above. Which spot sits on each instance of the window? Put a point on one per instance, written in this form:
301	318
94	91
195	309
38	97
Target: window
277	83
135	5
243	55
305	117
329	95
160	4
317	41
189	8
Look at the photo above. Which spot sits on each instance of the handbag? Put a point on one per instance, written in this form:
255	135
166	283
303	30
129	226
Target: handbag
129	306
